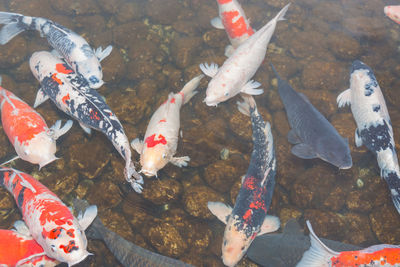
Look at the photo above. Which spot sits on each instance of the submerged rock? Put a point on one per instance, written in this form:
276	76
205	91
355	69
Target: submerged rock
196	198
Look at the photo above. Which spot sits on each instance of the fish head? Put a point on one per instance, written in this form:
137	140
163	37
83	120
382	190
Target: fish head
40	149
91	71
217	92
42	63
235	242
153	159
363	82
66	243
336	154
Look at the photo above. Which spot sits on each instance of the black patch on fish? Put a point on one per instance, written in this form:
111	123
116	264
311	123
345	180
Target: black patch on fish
370	87
377	138
393	181
58	38
20	198
376	107
87	50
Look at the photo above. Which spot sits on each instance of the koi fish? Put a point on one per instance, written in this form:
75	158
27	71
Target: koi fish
127	253
18	248
234	21
27	130
71	46
235	74
249	216
312	135
319	255
287	248
161	138
71	94
374	128
393	12
49	220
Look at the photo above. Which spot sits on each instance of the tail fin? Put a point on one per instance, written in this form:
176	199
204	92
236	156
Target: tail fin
249	102
318	255
13	27
188	90
393	180
282	13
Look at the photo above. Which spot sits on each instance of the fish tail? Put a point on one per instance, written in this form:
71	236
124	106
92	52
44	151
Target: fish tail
188	90
247	105
393	180
318	254
282	13
14	25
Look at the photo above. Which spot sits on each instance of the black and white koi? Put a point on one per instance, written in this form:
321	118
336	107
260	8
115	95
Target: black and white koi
249	216
71	94
374	128
71	46
161	138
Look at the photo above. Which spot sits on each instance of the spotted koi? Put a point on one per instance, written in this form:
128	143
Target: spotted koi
78	100
233	19
161	137
71	46
322	256
49	220
249	218
27	130
18	249
393	12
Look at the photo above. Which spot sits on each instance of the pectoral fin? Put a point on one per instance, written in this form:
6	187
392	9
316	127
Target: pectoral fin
87	218
270	224
41	97
344	98
180	161
21	228
85	128
357	138
102	54
251	88
220	210
58	130
304	151
293	138
209	70
217	23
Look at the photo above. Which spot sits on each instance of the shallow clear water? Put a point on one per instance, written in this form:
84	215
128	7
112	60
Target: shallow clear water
157	48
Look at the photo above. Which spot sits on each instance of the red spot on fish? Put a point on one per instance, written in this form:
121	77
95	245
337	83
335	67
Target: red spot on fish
63	68
247	216
182	95
54	77
69	222
52	234
235	28
358	258
70	232
250	183
163	120
221	2
151	141
172	100
254	236
94	115
65	98
70	247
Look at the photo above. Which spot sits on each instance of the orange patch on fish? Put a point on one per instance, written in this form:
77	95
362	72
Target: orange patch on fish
70	247
163	120
356	258
54	77
65	98
63	68
172	100
221	2
152	142
237	28
247	215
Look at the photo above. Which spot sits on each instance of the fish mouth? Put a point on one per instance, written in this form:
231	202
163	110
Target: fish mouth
345	167
357	65
148	173
210	103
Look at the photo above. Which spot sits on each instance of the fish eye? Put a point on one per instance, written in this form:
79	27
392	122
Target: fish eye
52	247
100	68
226	94
164	156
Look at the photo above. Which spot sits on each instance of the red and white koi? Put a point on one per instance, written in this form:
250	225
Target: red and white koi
233	19
49	220
27	130
72	95
235	74
161	138
71	46
319	255
249	218
18	248
393	12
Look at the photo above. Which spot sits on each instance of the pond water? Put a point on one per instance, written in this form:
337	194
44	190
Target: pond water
157	47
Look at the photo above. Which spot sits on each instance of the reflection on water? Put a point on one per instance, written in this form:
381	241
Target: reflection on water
158	45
